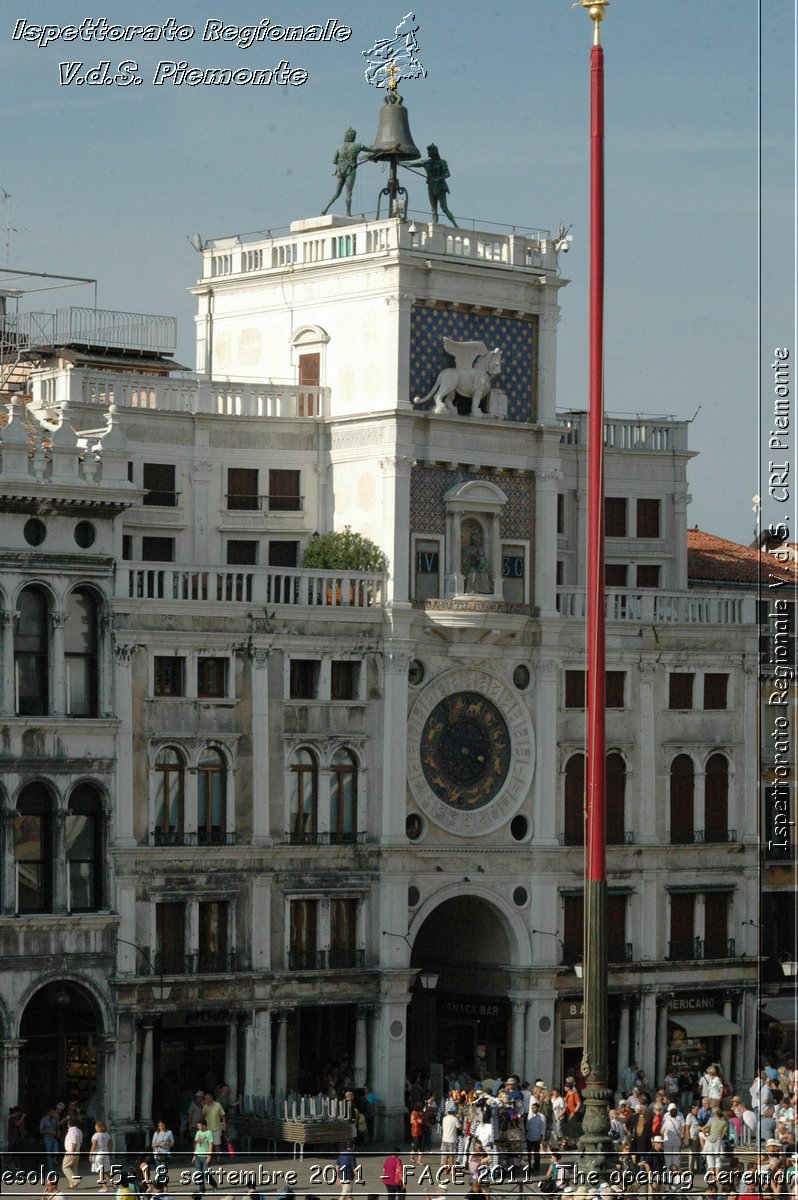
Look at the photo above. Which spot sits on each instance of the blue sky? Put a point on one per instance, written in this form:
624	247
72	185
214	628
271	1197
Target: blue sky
108	182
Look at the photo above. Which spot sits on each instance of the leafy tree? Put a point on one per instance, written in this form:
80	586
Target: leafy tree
344	550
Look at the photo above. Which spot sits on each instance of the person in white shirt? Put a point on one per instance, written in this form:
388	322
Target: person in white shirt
450	1131
672	1131
73	1140
557	1111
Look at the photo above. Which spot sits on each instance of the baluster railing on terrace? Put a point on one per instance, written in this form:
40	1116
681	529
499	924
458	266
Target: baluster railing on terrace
290	586
650	607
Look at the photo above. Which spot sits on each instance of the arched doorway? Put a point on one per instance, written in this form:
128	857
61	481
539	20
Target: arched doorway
464	1022
58	1060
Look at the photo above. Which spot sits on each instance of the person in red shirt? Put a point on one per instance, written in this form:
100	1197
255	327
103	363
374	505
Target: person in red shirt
393	1174
416	1133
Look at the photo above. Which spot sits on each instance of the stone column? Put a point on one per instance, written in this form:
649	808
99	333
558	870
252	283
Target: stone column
259	677
105	663
517	1040
61	901
647	1034
123	702
727	1043
539	1051
646	819
544	589
231	1055
8	879
548	320
396	470
145	1089
125	1064
389	1067
361	1046
257	1079
623	1040
58	697
9	1079
547	792
662	1039
280	1054
8	699
106	1053
391	806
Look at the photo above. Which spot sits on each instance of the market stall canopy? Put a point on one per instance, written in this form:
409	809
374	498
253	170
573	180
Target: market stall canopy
783	1009
704	1024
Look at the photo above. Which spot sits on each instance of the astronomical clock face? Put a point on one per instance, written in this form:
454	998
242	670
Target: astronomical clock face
470	754
465	750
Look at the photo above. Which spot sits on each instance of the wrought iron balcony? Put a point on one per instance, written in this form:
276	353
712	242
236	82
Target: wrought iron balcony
619	952
325	960
705	836
696	949
195	837
199	962
325	838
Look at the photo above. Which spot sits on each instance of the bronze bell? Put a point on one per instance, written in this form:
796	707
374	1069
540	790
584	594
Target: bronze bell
393	140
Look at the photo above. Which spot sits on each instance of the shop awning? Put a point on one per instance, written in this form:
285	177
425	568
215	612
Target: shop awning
704	1024
783	1009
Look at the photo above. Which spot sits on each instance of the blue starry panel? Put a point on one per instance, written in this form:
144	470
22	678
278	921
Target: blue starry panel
514	336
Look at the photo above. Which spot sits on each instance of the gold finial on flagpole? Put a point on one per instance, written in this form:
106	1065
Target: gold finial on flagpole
595	10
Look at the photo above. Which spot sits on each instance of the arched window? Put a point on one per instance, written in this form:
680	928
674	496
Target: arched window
169	793
616	799
33	850
682	793
343	797
304	797
716	799
80	654
574	815
211	798
84	849
31	654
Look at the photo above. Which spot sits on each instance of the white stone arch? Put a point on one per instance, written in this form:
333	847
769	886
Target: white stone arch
310	336
512	920
102	1004
54	598
292	747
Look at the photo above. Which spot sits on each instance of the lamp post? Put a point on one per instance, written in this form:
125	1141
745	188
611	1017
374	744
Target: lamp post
595	1143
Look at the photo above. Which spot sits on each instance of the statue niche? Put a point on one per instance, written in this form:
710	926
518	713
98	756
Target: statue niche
474	563
470	378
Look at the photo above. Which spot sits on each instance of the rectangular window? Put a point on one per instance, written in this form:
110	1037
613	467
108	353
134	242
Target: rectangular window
343	933
647	576
514	574
682	944
158	481
648	519
169	676
615	682
212	955
573	928
170	937
212	677
616	928
615	516
427	569
283	554
716	924
560	513
242	553
574	689
127	547
157	549
242	488
559	573
284	491
130	471
715	690
303	934
615	575
344	680
680	689
304	678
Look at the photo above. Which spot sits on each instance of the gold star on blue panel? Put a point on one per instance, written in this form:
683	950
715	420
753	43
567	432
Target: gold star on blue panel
514	336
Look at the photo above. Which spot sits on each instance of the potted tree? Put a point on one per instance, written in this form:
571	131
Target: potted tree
345	550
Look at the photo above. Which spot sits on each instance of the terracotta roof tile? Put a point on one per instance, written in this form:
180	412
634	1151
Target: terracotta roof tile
713	559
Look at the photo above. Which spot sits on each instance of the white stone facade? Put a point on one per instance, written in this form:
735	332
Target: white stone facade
273	852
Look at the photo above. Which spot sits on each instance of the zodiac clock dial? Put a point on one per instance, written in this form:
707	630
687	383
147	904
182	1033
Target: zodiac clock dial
465	750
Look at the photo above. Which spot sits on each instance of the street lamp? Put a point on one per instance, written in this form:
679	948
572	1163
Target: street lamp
428	980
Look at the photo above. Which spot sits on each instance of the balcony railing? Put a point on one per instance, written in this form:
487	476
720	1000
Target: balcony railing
325	838
707	836
627	432
696	949
242	502
199	962
96	327
286	585
619	952
662	608
161	499
325	960
196	837
626	838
